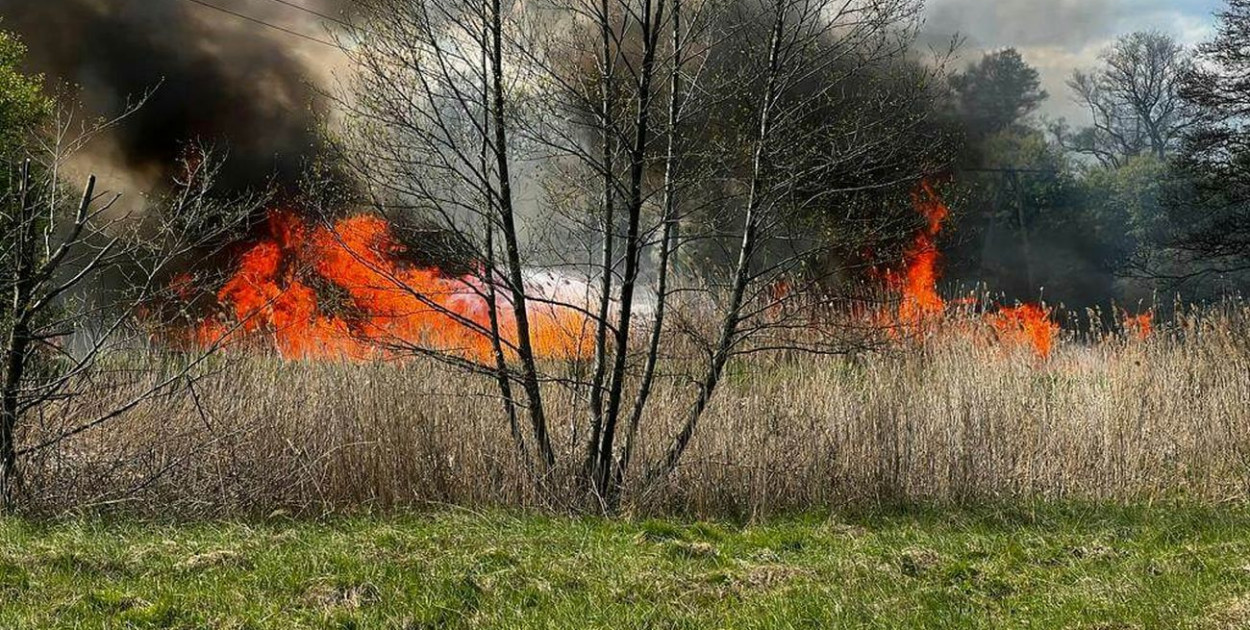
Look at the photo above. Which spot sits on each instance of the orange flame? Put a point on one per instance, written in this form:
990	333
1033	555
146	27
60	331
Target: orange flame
1140	326
1027	323
918	282
920	303
278	291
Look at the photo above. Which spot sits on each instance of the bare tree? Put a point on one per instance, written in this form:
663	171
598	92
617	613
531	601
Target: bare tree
649	17
429	127
80	275
806	41
453	105
1134	100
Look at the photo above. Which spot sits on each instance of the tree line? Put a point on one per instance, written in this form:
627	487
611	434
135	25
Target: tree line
1138	203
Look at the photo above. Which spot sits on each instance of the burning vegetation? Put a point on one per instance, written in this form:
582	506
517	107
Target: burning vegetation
921	307
688	172
352	290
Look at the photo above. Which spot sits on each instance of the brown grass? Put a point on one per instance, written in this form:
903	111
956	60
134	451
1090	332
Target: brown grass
956	418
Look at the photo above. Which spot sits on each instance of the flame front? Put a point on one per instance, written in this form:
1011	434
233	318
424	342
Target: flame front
345	291
1140	326
917	284
348	291
922	307
1027	323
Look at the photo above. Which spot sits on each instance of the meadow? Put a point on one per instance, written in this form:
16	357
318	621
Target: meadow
1029	566
952	480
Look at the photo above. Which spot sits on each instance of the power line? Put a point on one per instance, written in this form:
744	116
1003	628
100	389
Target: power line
261	22
319	14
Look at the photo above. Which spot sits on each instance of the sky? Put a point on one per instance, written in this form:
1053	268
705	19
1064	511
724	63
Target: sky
1059	36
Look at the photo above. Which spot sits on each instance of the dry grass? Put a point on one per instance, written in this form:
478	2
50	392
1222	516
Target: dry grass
955	419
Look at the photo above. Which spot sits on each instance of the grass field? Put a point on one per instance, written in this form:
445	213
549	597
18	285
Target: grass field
1056	566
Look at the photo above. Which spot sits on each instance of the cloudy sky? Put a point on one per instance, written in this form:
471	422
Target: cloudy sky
1058	36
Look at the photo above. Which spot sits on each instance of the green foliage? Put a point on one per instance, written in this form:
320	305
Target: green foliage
997	92
1024	223
1129	201
23	107
1032	220
23	104
1059	565
1043	173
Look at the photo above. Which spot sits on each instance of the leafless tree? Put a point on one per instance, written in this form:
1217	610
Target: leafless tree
429	121
80	273
804	42
602	107
1134	100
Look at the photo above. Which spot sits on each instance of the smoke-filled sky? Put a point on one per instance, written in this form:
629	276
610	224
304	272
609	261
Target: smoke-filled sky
214	78
229	80
1058	36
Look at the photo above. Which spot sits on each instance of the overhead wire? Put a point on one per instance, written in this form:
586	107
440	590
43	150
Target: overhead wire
299	7
255	20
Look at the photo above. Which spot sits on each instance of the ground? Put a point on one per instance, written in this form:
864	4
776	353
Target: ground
1046	566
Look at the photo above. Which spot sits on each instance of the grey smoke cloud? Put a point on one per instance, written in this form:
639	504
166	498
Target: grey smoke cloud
222	80
1059	36
245	87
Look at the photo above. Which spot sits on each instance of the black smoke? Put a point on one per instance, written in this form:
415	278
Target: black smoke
219	80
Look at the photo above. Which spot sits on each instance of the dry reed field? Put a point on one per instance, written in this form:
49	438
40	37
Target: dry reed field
946	419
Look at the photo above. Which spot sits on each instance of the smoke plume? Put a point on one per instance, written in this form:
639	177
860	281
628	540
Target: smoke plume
218	79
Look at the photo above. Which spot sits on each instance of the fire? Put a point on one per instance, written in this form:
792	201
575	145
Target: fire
917	285
349	291
920	304
1140	326
345	291
1026	324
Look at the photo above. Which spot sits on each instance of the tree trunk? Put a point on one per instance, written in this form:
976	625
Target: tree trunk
17	346
608	225
666	251
502	374
633	249
742	274
516	280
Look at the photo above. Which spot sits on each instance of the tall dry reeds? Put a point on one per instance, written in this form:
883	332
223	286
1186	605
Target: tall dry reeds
955	417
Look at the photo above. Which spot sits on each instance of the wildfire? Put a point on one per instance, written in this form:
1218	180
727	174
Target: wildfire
918	282
346	291
1027	323
1139	326
349	291
920	304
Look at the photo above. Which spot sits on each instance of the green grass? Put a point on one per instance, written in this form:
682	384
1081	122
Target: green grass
1064	566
